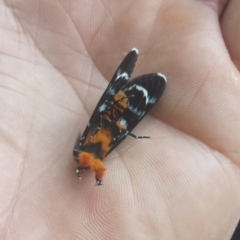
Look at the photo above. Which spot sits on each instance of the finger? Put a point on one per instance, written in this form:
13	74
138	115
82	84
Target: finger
231	31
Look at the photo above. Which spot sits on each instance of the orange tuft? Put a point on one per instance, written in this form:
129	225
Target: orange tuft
85	159
103	136
121	98
98	167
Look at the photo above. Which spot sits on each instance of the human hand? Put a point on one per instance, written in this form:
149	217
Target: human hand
56	60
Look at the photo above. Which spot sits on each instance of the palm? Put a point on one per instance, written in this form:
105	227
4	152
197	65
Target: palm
54	62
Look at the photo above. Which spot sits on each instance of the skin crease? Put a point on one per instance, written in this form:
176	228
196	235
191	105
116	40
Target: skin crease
56	59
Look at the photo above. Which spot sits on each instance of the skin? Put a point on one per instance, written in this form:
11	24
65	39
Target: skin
56	59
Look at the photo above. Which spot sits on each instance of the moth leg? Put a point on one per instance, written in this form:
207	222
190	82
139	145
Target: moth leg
137	137
98	167
79	171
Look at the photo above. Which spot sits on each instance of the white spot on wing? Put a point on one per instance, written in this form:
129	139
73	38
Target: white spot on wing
142	89
122	75
111	91
152	100
102	107
123	122
135	50
161	75
145	92
135	110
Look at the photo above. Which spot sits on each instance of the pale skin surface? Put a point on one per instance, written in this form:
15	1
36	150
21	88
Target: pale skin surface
56	59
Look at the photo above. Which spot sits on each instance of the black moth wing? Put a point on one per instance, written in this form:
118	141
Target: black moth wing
142	92
119	79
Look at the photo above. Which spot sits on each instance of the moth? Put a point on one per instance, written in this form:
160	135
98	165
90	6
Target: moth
121	107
